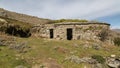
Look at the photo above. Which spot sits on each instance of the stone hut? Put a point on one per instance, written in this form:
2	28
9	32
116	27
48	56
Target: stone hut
71	30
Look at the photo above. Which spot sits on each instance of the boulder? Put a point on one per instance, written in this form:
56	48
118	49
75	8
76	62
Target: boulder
113	62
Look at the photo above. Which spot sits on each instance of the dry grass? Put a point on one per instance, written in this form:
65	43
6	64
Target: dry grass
43	49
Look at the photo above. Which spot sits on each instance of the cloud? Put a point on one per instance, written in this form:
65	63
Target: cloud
56	9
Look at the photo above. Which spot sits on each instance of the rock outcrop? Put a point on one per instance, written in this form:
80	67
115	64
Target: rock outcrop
113	62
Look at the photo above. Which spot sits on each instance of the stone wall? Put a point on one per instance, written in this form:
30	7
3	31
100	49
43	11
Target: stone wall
87	31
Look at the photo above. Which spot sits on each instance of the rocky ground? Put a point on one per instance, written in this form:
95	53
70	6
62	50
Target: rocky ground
42	53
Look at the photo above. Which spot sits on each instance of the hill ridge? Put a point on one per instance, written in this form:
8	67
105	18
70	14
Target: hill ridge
23	17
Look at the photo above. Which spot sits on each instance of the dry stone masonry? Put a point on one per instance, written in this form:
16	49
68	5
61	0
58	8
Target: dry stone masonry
71	30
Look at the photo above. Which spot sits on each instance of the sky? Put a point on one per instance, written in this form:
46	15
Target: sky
101	10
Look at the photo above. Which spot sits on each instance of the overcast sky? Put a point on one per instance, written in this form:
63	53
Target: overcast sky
102	10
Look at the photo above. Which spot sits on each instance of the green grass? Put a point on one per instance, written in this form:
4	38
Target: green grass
9	59
70	20
43	49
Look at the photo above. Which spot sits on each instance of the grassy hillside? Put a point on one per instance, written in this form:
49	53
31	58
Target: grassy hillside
38	52
33	19
23	17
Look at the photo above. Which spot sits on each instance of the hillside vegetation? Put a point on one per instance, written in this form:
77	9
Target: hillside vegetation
14	27
70	20
34	53
23	17
34	20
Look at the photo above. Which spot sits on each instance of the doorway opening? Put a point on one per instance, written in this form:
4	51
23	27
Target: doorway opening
51	33
69	34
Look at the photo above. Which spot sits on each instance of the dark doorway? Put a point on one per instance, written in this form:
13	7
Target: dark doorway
51	33
69	33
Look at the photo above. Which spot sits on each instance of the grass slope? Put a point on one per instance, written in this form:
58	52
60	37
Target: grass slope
23	17
42	50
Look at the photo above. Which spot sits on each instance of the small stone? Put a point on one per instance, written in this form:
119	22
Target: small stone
20	66
42	66
86	46
98	65
113	56
33	62
17	58
73	52
75	45
96	46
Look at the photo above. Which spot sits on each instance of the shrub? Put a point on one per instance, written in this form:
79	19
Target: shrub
15	27
20	62
3	28
103	35
18	31
117	41
99	58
